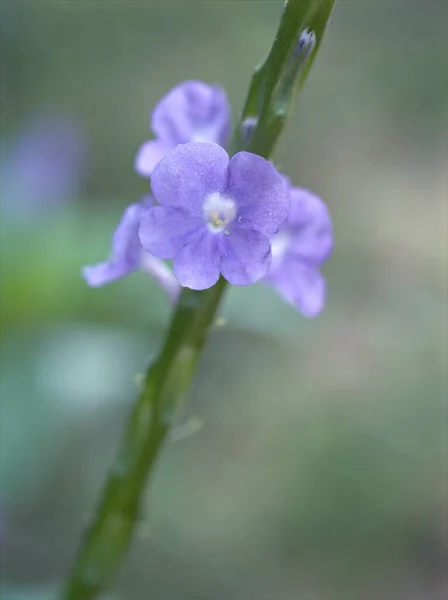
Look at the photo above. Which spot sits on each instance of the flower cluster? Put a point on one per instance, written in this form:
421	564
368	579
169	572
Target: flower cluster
214	215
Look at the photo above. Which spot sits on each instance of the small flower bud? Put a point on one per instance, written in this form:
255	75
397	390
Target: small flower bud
248	128
305	45
294	70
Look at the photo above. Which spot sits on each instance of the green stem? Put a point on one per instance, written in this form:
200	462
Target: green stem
267	100
150	421
168	379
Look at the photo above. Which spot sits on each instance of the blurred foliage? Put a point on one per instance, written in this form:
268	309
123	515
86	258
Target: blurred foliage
320	471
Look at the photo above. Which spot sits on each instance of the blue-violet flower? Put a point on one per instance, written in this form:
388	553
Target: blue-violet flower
42	167
215	215
191	112
127	255
299	249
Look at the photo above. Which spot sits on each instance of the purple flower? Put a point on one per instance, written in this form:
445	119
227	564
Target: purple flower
43	166
215	214
191	112
299	249
127	255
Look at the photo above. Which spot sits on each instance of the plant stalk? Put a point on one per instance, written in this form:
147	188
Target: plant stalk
168	379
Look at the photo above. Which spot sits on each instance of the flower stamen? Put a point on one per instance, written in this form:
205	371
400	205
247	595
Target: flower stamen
219	211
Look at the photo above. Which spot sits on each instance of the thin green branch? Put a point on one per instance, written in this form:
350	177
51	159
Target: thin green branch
150	421
168	379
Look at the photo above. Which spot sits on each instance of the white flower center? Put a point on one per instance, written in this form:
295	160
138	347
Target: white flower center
219	211
279	245
205	134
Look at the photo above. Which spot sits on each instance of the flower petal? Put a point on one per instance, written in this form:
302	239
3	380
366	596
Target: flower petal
310	224
164	276
126	250
246	256
302	285
188	174
147	201
105	272
192	111
259	191
126	245
163	230
149	154
196	265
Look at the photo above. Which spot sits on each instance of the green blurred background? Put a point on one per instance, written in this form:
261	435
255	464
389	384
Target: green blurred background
320	469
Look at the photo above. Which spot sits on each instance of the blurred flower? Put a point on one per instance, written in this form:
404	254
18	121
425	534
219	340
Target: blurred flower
216	214
42	167
127	255
299	249
191	112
